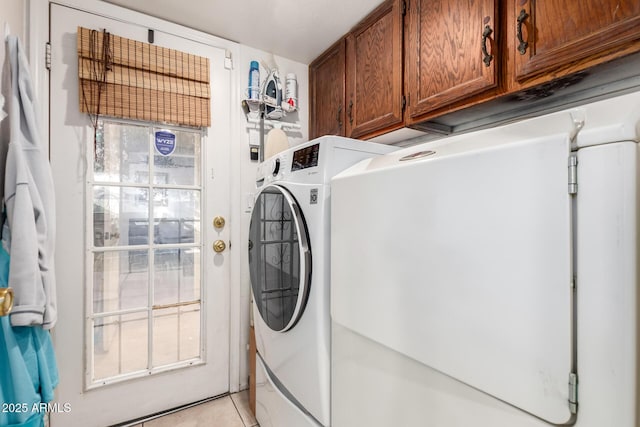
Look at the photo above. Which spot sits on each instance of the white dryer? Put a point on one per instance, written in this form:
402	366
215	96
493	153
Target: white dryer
499	284
289	267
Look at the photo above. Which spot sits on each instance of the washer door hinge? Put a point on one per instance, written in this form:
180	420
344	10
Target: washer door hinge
573	174
47	55
573	392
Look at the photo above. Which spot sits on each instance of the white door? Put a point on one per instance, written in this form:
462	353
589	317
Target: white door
143	299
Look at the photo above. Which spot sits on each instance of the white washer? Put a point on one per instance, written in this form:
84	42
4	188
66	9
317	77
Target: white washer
289	265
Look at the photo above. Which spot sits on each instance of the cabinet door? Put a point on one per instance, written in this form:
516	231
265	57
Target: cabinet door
451	46
551	34
327	92
374	72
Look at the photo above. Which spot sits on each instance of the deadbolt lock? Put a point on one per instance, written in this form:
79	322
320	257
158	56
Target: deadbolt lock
219	246
218	222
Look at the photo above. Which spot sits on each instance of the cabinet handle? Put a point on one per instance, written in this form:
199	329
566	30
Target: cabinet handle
486	56
350	111
338	114
522	47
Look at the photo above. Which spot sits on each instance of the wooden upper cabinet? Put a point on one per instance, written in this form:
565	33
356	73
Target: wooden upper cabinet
327	92
548	35
374	102
443	56
451	52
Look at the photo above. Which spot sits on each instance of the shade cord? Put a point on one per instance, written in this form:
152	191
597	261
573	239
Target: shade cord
101	62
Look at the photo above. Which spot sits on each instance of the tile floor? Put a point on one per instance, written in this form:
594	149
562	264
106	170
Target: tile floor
228	411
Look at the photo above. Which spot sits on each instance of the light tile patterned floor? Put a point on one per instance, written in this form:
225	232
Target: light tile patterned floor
228	411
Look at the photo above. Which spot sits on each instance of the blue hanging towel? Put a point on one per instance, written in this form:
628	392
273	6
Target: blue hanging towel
29	371
17	393
39	358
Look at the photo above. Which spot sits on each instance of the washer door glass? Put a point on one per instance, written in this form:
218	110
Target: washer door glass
279	258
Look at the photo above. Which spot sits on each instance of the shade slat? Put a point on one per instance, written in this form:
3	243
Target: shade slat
145	104
142	81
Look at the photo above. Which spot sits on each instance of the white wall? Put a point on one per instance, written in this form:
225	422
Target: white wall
248	167
12	12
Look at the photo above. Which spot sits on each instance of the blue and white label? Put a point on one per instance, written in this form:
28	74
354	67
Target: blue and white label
165	142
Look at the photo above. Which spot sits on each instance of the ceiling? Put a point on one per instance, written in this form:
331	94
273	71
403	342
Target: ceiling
295	29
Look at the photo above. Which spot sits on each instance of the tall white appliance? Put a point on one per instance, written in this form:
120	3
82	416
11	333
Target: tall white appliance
289	266
491	279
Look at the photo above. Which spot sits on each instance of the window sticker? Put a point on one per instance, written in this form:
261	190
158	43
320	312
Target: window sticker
165	142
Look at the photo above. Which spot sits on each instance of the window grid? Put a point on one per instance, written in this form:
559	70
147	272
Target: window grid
118	321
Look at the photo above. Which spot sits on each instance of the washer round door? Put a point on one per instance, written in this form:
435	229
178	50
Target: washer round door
279	258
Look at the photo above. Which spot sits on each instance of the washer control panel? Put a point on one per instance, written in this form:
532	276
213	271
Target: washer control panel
273	169
286	163
306	157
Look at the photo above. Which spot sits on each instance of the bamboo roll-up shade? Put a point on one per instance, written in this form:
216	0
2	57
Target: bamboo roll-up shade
142	81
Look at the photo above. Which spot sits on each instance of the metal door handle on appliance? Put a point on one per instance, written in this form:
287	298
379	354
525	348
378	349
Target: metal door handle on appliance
486	56
219	246
522	47
6	301
218	222
350	111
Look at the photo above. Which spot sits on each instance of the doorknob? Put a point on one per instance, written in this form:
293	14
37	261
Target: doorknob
218	222
6	301
219	246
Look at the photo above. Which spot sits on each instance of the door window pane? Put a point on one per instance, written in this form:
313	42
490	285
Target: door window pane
189	346
177	217
176	276
146	301
122	153
120	345
120	281
120	216
175	334
182	167
165	336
